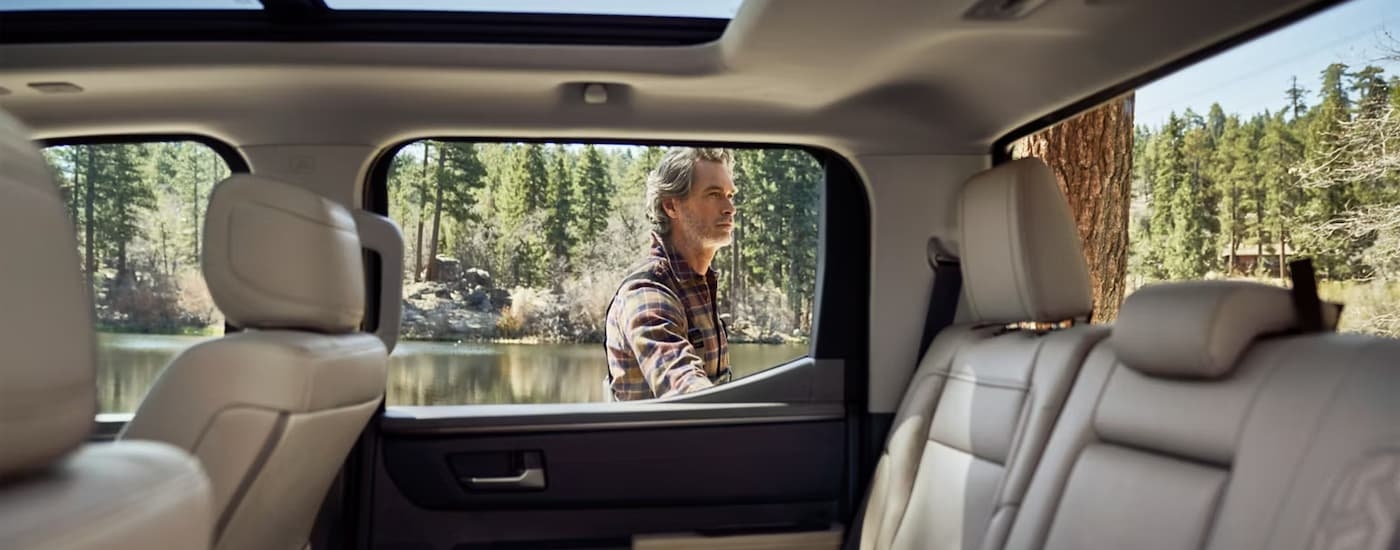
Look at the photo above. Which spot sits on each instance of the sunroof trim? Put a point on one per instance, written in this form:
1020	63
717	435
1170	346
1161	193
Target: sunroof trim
706	9
349	26
129	5
696	9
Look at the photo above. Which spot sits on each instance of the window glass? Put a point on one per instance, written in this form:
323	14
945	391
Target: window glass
513	252
1285	147
138	209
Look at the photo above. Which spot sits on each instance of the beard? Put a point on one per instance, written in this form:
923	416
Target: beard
709	232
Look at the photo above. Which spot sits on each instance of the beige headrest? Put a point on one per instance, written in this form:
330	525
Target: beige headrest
1021	255
48	396
1197	329
280	256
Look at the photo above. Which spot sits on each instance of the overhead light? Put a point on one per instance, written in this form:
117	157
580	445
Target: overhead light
595	94
56	87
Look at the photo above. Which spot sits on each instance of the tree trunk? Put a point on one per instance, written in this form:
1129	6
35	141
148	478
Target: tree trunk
734	273
1234	230
422	205
121	263
1259	235
89	200
1092	155
166	269
194	200
1282	253
437	221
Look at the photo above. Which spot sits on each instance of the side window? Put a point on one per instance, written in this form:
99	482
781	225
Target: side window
1242	163
138	209
514	251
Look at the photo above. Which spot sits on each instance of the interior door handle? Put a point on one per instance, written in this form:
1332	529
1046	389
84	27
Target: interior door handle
530	478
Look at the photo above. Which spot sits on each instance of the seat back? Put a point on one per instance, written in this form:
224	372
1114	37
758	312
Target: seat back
1207	422
273	410
55	491
980	407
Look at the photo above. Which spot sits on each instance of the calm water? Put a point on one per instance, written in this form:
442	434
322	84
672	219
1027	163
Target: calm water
426	373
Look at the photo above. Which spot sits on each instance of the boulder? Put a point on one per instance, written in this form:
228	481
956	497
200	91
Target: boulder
448	269
476	277
500	298
479	300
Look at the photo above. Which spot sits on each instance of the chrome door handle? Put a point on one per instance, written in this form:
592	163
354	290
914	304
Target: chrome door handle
530	478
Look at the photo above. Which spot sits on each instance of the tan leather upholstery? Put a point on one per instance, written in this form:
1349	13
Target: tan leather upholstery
976	416
1256	441
56	492
47	396
278	256
1197	329
1018	238
131	495
272	412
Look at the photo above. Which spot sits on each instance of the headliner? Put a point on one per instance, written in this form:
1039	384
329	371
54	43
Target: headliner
906	77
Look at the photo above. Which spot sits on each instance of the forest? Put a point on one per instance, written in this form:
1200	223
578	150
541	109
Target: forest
1217	195
138	211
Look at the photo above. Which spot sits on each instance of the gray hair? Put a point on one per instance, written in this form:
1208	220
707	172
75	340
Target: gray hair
673	177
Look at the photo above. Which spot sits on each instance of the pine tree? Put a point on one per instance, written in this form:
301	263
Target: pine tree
1193	203
1335	253
1297	99
126	198
561	215
458	173
595	192
1230	159
1279	151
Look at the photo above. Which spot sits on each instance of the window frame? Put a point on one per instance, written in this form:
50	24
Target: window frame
842	262
108	425
1001	147
237	164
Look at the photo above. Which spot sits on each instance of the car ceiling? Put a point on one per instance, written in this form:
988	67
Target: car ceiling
890	77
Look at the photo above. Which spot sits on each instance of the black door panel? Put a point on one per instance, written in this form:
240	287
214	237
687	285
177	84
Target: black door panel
606	484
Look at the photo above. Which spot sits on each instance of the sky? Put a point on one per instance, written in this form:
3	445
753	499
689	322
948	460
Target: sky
1252	77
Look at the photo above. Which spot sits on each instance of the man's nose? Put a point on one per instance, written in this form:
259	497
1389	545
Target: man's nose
728	206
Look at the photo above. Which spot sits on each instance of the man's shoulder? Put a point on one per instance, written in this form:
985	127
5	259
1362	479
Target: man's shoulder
647	289
650	272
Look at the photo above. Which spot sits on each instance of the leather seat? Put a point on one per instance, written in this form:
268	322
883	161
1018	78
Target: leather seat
272	411
1206	421
973	423
55	490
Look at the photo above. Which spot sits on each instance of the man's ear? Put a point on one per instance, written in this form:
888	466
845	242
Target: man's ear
671	208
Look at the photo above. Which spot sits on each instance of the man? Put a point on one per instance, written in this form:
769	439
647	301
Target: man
664	337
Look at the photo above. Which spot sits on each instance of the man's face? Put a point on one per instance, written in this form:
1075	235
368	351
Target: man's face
706	214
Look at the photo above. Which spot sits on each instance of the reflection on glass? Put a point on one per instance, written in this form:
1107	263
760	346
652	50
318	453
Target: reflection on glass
426	373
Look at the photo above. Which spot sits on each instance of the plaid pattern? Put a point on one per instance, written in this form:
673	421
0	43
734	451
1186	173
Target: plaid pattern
664	337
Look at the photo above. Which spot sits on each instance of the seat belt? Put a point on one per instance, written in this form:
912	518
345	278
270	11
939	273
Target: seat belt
943	301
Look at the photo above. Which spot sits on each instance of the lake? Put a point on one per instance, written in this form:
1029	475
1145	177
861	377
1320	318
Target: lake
426	373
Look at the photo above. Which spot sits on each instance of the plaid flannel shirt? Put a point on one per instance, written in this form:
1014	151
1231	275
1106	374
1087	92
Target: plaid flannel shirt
664	337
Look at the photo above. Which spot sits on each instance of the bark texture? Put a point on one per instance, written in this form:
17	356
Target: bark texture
1092	155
